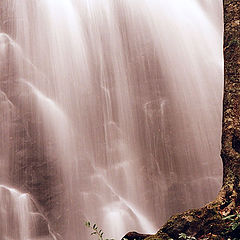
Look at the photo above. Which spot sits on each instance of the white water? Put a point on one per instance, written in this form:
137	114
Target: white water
123	98
15	215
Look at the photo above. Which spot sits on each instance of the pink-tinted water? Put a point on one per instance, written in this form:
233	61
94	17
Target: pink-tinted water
120	101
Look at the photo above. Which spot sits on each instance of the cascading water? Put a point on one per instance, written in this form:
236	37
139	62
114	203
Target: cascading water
19	218
110	110
15	211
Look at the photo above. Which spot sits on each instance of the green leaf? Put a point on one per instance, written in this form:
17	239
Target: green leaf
94	226
229	217
88	224
182	235
235	225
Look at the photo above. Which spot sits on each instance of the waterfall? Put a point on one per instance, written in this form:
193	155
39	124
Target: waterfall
19	219
110	113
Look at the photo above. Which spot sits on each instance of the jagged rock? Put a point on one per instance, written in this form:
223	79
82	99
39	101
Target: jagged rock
135	236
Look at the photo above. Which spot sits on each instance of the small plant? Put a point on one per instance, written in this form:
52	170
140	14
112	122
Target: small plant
96	231
234	219
185	236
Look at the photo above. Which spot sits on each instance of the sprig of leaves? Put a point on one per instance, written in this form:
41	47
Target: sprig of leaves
234	218
96	231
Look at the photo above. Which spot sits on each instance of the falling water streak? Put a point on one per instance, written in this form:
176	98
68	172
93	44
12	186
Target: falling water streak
144	222
19	53
60	130
21	207
6	98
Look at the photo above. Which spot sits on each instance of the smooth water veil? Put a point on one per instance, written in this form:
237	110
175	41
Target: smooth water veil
110	112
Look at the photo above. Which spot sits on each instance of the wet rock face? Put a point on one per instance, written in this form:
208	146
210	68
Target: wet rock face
231	111
32	168
27	160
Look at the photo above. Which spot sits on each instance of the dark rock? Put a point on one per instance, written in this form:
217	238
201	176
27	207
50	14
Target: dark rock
135	236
